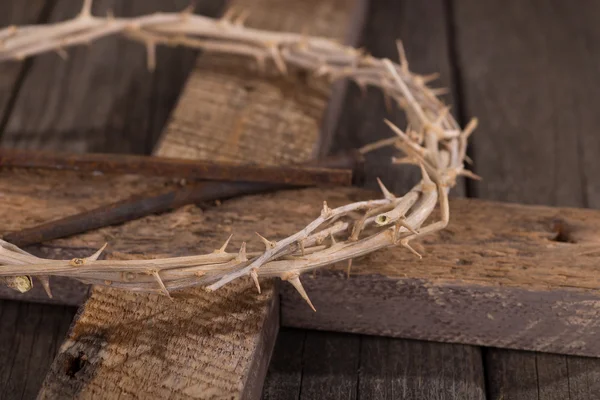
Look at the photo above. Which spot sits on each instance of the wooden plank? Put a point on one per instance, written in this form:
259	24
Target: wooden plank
529	149
284	377
29	340
129	105
503	283
202	345
407	369
330	366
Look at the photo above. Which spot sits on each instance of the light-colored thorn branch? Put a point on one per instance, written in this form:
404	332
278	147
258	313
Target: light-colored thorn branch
434	141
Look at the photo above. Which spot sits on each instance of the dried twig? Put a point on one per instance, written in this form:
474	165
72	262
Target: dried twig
435	143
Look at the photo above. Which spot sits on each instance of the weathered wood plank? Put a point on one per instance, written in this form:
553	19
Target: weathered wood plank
495	276
29	340
202	345
106	99
284	377
330	366
519	82
407	369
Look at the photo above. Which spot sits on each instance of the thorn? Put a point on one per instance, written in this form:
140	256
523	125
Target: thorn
425	79
254	276
387	101
62	53
471	126
322	71
470	174
241	18
110	15
295	281
386	193
426	179
402	56
242	253
228	15
333	242
267	242
45	281
362	87
349	267
402	222
439	91
326	211
301	243
161	283
468	160
260	61
404	160
279	62
222	249
97	254
189	10
86	9
405	244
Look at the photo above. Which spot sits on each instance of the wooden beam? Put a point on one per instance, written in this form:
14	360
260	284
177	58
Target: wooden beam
202	345
502	275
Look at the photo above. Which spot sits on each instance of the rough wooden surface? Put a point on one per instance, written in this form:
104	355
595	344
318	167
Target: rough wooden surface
406	369
29	340
537	143
211	345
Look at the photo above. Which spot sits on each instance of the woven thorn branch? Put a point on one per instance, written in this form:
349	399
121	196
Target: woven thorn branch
433	141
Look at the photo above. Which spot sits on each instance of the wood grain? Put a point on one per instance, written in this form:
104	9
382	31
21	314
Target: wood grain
407	369
201	345
284	377
29	340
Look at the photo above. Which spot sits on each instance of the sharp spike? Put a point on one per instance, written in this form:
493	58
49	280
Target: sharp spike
404	160
349	268
386	193
471	126
242	253
241	18
425	79
150	55
402	222
439	91
97	254
405	244
333	242
161	283
326	211
267	242
470	174
295	281
301	243
402	56
228	15
86	9
426	179
222	249
278	60
45	281
189	9
254	276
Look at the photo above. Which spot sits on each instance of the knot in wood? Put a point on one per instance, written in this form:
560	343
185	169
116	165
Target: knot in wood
77	262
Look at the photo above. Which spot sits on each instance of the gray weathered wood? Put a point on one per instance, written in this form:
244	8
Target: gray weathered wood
330	366
30	335
285	369
407	369
528	71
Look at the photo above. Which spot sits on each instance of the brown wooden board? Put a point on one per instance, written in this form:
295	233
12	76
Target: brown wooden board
202	345
527	70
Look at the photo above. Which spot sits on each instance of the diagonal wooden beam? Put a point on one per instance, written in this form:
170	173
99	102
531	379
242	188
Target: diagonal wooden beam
203	345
